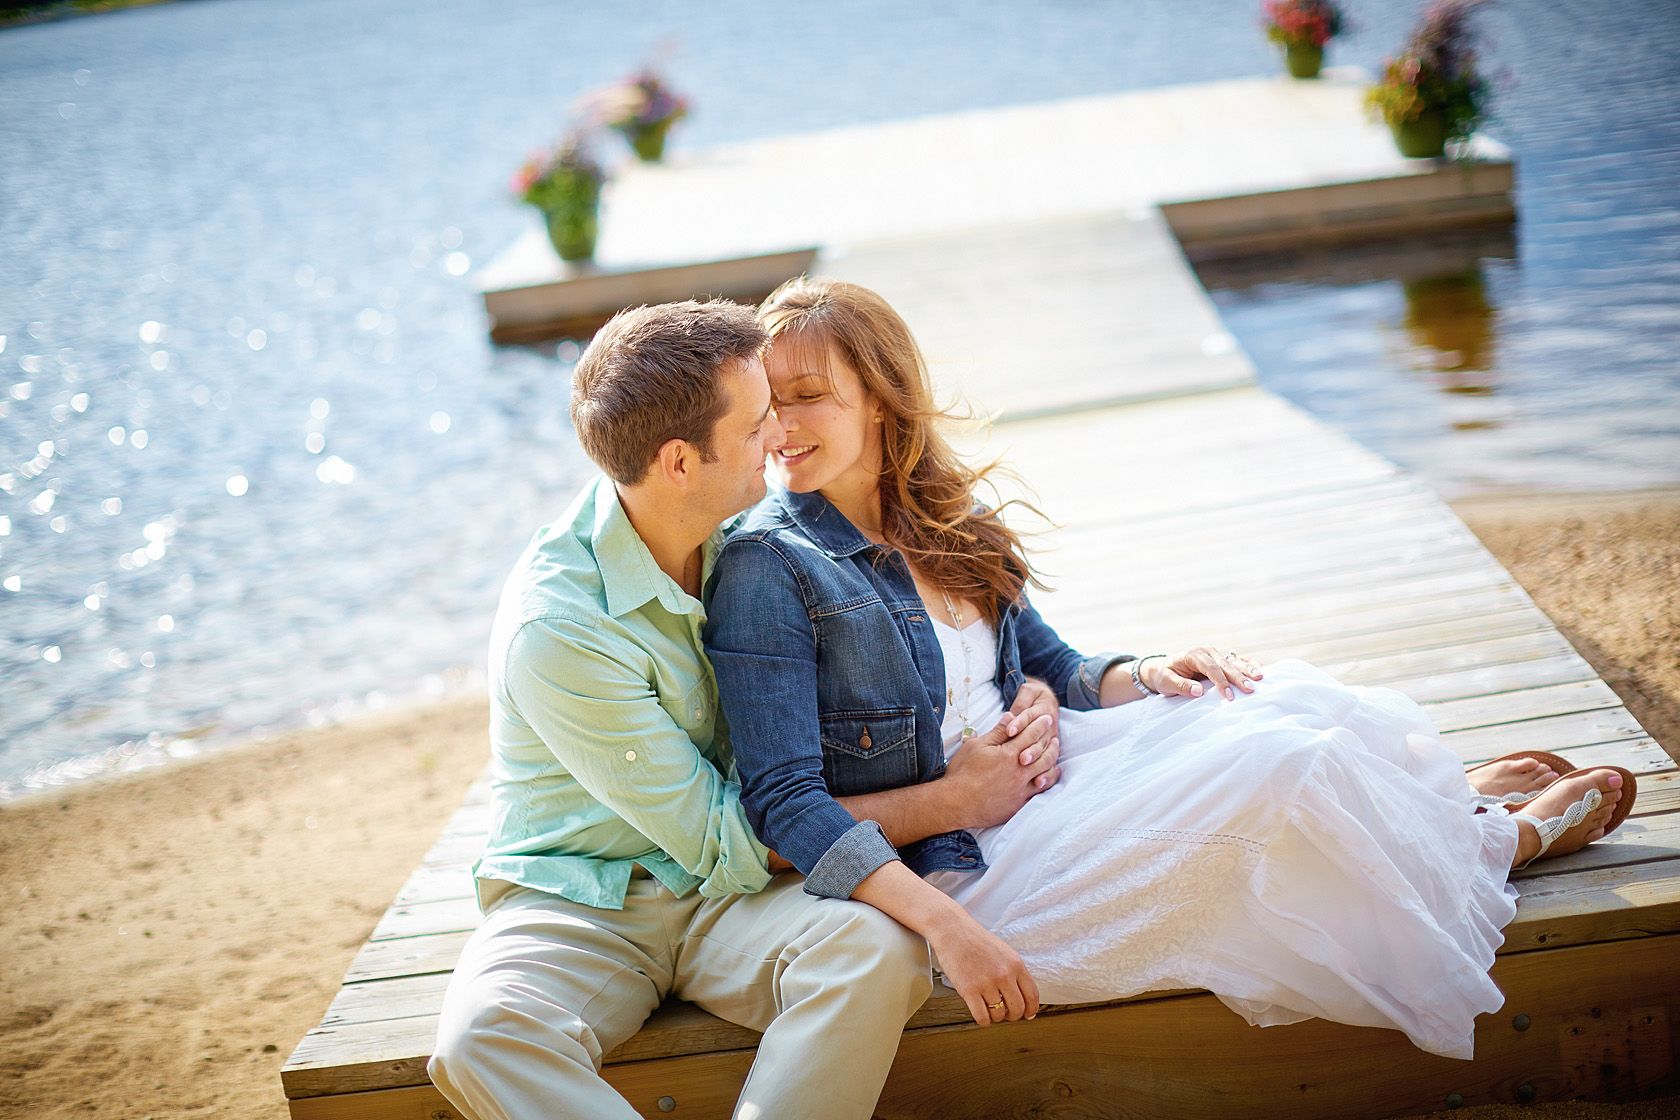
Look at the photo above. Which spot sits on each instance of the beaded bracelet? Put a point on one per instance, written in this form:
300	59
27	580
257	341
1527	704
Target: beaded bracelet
1138	680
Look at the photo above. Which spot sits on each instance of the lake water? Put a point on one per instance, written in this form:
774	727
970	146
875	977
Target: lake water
260	467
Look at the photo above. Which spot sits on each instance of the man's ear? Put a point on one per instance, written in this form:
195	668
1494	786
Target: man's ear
675	462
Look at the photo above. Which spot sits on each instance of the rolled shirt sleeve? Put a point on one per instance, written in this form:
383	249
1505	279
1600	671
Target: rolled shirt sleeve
588	695
763	649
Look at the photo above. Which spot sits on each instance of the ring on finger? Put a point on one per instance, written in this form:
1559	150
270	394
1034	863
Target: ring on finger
998	1006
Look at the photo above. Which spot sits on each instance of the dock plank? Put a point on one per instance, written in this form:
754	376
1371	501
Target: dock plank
407	956
1493	680
1562	734
1465	657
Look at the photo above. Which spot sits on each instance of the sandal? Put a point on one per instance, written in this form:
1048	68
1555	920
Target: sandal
1560	766
1553	827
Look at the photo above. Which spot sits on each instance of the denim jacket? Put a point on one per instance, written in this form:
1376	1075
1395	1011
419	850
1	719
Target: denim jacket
832	681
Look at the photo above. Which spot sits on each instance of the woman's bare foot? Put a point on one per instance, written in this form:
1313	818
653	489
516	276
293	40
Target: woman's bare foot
1555	802
1511	775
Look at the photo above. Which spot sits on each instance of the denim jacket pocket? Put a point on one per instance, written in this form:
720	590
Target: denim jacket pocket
864	752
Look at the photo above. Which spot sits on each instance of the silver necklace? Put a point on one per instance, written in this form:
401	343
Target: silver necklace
968	731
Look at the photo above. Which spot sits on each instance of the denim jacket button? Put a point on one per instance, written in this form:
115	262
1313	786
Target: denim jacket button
866	742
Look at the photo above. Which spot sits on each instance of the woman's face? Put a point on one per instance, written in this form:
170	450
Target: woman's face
833	439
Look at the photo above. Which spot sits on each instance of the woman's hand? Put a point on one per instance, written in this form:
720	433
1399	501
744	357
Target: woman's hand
989	975
1033	699
1228	671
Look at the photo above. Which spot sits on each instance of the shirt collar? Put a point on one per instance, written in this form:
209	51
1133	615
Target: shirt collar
824	524
629	574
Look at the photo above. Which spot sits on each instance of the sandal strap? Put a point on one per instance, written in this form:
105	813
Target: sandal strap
1495	803
1553	827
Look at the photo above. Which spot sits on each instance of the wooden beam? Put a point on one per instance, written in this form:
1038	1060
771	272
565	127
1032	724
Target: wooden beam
577	301
1191	1058
1451	195
1592	1020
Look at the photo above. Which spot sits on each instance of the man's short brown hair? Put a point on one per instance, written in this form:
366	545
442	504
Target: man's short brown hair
651	375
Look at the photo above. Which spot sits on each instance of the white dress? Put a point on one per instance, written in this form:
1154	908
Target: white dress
1306	850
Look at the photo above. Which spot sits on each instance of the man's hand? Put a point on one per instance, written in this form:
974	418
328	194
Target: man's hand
994	774
988	974
775	863
987	781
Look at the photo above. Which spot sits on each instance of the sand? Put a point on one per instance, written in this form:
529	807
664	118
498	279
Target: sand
1606	570
169	936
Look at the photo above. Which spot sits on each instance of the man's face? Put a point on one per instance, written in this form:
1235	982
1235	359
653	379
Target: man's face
745	434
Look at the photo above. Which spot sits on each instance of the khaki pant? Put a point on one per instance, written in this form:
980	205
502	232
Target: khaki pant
545	987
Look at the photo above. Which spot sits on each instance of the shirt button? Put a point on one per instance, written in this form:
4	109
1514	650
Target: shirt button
629	756
697	711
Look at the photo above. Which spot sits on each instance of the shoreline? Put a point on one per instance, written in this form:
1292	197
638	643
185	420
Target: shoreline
176	930
462	682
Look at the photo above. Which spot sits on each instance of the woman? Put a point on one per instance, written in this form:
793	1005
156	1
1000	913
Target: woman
1299	848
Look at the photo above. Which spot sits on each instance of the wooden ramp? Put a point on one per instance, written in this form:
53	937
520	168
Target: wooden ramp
1193	506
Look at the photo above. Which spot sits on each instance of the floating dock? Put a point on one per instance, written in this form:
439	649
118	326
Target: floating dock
1234	167
1040	254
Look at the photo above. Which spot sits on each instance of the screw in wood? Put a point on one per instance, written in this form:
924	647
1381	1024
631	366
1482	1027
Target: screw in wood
1526	1093
1521	1022
667	1104
1455	1100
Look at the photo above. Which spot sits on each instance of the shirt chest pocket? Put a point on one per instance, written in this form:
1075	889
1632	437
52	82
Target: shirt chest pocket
865	752
692	712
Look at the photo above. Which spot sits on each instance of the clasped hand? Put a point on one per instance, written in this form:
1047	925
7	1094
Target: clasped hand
1000	771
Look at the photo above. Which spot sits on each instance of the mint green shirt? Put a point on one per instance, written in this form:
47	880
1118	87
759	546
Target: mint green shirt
607	749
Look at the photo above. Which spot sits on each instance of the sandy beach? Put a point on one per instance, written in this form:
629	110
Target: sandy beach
169	936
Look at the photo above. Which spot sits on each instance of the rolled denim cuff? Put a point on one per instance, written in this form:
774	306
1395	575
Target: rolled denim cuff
1084	688
849	861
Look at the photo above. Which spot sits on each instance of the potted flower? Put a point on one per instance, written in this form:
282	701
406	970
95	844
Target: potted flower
565	184
643	108
1302	27
1430	92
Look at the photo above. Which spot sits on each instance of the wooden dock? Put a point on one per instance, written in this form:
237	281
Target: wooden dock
1082	332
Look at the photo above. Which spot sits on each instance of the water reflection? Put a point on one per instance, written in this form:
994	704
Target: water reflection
1445	354
1451	324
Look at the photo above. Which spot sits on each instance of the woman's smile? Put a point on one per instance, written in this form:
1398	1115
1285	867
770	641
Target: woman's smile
792	454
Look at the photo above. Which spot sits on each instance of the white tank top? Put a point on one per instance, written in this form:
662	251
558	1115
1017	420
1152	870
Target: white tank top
970	665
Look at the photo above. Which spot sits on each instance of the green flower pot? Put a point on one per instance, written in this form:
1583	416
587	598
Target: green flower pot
1303	61
573	227
648	142
1424	137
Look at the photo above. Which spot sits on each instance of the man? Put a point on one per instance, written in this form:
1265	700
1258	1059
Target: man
620	866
